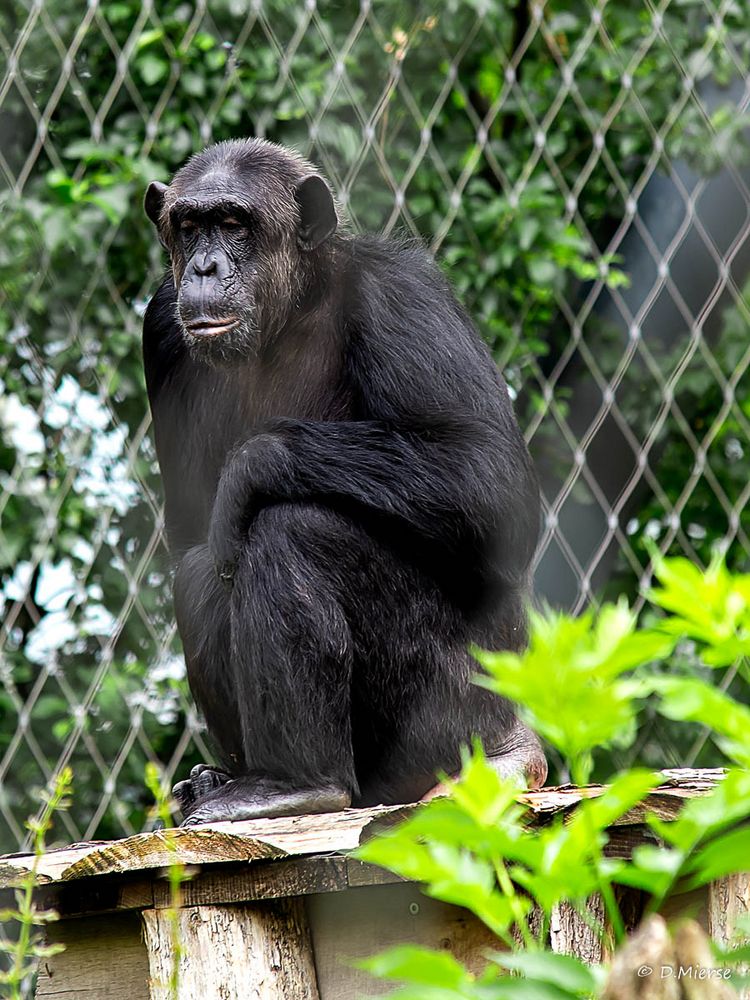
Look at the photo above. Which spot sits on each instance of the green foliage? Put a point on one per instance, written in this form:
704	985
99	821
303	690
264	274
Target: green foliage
713	608
475	846
28	947
703	420
438	976
582	703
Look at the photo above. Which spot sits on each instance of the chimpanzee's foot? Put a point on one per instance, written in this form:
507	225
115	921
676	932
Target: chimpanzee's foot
251	798
203	780
519	756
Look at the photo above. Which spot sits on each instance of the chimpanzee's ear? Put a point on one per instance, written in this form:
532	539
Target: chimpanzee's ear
154	200
316	210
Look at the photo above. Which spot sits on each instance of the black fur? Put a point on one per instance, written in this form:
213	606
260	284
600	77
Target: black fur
349	508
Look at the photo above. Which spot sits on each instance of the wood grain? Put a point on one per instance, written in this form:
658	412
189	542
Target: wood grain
257	952
104	957
572	934
259	839
728	900
361	922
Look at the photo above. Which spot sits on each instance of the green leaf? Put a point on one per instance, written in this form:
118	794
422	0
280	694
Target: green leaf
626	791
727	855
689	699
565	971
542	271
652	869
148	38
87	149
481	793
580	705
711	607
528	227
525	989
418	965
152	68
726	805
114	201
193	84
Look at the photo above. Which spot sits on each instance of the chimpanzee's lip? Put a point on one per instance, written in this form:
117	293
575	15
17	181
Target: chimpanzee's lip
209	327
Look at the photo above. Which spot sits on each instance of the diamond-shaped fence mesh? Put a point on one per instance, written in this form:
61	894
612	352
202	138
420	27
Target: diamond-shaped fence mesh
578	168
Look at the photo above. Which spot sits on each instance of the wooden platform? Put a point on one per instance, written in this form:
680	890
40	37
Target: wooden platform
276	908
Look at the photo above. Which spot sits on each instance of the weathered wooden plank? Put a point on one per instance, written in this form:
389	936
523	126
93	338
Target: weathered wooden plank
223	884
257	952
624	838
162	847
361	873
105	894
666	801
222	842
103	957
266	880
322	834
728	900
351	925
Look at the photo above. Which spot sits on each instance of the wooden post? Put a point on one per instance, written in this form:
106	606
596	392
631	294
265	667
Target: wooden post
258	952
728	899
570	934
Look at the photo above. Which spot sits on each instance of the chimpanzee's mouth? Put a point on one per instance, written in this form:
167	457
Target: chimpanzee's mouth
209	327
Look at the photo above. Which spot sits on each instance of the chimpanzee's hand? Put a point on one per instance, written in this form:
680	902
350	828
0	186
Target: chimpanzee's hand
249	479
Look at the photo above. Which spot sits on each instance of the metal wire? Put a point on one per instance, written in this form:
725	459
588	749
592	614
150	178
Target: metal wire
604	409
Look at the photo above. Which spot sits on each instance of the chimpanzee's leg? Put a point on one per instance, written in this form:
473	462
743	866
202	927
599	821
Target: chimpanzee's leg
283	679
520	756
410	769
347	667
402	745
202	612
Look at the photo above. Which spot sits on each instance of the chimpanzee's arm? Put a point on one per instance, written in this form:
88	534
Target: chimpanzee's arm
435	445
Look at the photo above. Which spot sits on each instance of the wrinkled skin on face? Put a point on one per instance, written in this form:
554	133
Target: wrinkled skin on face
235	235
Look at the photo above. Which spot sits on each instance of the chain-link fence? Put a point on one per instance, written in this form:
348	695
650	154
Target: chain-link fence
579	169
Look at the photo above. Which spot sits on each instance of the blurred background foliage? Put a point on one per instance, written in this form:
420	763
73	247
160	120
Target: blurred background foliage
516	139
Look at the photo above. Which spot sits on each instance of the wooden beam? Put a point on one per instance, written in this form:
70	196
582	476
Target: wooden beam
271	880
224	884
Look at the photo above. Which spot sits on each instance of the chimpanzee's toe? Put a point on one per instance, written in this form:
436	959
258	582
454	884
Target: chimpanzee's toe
204	780
183	795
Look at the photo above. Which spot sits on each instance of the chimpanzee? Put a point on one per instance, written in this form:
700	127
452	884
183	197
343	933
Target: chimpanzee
349	501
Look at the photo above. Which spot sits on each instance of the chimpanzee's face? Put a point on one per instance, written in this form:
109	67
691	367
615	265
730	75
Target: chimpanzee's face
238	245
215	255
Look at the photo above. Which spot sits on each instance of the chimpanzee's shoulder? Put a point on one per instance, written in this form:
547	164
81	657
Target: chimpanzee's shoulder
163	343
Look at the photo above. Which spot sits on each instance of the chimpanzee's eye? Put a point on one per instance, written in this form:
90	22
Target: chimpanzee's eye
231	222
187	226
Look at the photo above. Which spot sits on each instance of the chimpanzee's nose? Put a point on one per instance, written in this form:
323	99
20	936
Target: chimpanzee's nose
205	265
